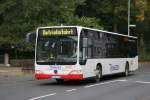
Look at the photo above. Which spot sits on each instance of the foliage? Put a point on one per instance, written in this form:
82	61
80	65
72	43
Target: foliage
110	12
19	17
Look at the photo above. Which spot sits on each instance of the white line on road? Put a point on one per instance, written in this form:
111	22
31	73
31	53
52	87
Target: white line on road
143	82
71	90
100	84
48	95
122	80
87	86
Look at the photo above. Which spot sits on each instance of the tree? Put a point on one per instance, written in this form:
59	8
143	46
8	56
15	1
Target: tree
19	17
111	13
143	22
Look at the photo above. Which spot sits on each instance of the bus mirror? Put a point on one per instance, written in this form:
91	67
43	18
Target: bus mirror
85	42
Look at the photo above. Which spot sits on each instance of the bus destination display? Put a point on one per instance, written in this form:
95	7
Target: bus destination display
58	32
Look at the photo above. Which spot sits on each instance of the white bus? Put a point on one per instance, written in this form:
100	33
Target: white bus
77	53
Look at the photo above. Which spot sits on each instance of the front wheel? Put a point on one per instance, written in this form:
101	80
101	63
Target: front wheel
98	73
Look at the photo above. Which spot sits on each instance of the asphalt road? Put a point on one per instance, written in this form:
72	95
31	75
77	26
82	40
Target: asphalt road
116	87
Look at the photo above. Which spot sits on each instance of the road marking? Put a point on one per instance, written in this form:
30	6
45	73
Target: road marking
48	95
100	84
122	80
88	86
143	82
71	90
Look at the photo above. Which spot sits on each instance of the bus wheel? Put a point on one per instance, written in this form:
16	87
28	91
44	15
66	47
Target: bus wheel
98	73
59	80
126	73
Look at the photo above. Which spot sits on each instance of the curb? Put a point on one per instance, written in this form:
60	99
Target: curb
144	62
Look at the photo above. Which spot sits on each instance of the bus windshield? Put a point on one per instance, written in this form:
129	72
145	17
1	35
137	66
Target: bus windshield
57	46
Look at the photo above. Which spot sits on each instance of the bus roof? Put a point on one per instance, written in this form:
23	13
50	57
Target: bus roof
93	29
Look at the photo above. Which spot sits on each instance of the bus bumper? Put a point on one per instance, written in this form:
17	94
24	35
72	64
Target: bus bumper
69	76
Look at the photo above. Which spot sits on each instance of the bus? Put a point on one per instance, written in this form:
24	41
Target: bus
78	53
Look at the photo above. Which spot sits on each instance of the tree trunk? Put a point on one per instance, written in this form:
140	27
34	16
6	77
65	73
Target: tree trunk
114	23
115	29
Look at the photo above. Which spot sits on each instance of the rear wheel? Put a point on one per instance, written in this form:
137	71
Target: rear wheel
126	73
59	80
98	73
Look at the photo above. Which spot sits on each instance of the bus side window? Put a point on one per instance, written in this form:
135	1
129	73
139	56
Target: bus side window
86	44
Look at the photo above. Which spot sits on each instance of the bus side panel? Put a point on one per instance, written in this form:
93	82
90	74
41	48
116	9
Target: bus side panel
109	66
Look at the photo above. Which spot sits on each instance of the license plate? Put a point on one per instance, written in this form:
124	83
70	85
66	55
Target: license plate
55	76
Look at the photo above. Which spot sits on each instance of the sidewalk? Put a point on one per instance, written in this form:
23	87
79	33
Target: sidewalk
12	71
144	62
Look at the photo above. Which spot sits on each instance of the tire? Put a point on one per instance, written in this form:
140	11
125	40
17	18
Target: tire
59	81
98	73
126	73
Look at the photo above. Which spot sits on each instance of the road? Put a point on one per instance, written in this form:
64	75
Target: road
116	87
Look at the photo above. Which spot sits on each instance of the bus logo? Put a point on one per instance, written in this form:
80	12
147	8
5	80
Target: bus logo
113	67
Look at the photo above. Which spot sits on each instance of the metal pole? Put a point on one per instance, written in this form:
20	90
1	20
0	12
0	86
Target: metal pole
129	17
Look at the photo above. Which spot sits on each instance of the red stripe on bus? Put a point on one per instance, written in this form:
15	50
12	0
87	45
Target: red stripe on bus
69	76
72	76
42	76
